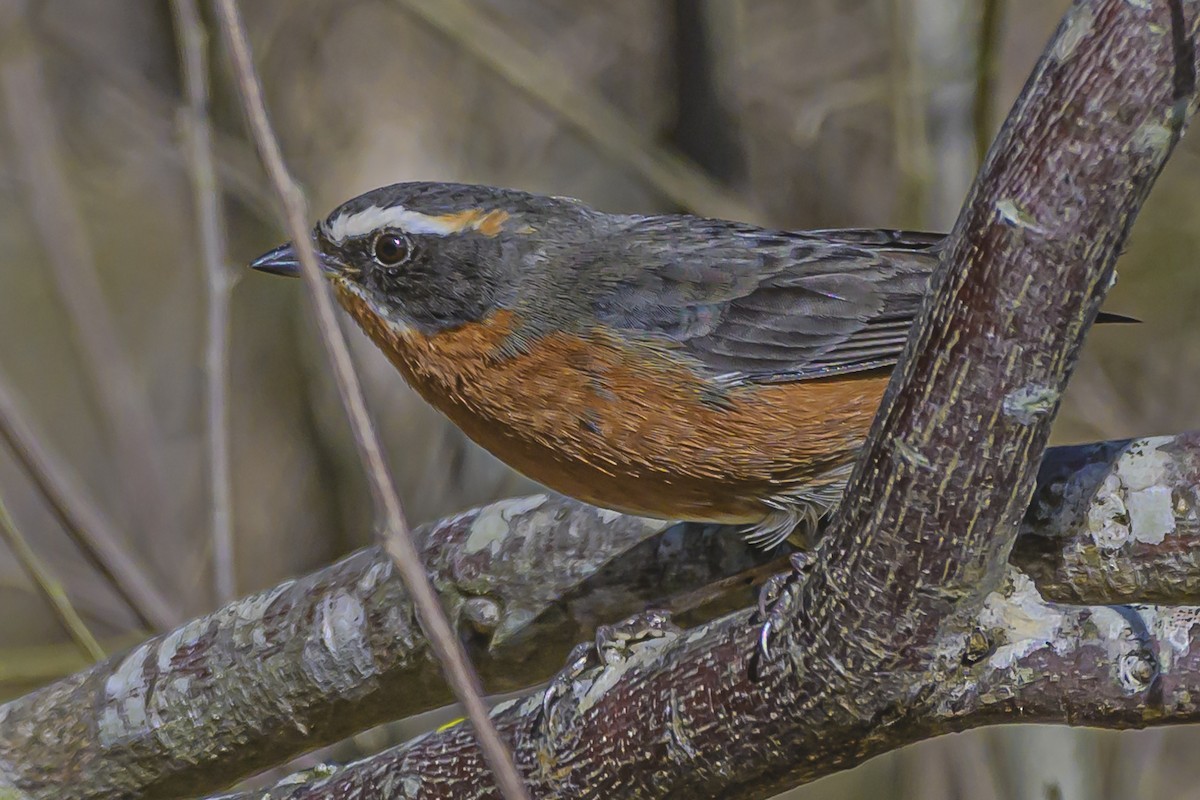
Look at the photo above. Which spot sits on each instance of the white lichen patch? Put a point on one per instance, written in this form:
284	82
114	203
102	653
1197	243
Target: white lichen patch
1078	24
1107	516
1154	138
1019	620
1173	626
493	523
1151	514
1028	403
245	615
124	703
636	654
1145	469
379	572
1014	215
1134	502
339	655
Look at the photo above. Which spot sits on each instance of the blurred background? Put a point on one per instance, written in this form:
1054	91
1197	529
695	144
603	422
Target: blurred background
794	113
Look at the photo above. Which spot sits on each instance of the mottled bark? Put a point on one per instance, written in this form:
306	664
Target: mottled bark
1019	659
1116	522
315	659
526	579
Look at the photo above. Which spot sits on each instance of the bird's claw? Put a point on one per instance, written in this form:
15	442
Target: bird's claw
777	596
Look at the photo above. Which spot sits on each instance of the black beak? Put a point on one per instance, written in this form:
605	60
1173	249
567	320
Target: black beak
280	261
283	261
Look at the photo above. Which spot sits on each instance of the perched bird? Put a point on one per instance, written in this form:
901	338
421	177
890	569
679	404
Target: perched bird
667	366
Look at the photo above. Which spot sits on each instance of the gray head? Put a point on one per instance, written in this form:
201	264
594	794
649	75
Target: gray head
437	255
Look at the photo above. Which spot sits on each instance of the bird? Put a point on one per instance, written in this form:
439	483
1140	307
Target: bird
668	365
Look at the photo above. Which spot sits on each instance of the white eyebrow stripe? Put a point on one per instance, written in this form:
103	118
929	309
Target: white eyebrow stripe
376	218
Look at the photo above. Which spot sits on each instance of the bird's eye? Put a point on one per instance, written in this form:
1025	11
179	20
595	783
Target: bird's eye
390	249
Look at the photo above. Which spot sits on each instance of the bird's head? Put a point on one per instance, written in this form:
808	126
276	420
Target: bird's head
434	256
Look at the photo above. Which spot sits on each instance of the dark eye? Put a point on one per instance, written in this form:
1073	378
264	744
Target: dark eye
390	249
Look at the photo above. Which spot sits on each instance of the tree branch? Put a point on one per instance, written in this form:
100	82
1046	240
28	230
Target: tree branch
1116	522
1026	660
313	660
525	579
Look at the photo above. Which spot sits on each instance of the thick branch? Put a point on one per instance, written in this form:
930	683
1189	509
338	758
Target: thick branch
1116	522
1023	660
316	659
527	578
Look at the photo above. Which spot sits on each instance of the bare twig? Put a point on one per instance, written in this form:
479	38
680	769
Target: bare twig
62	234
84	521
396	537
907	99
597	121
985	74
193	46
50	588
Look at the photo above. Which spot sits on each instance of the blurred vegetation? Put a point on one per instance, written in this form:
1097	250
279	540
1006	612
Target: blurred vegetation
814	113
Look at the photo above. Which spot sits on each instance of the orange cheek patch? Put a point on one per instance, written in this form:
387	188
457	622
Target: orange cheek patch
489	223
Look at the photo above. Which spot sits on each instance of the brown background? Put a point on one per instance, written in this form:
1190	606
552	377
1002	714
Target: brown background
816	113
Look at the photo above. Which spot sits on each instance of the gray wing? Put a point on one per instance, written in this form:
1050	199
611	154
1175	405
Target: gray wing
755	305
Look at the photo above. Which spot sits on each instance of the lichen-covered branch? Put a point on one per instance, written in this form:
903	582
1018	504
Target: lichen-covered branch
530	577
1116	522
1020	659
315	659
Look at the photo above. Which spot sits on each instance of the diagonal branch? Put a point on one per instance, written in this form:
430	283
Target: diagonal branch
1028	661
84	521
321	657
394	531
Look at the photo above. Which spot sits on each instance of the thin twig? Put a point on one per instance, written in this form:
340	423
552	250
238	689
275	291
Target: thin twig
193	45
596	120
396	537
60	229
50	588
84	521
909	98
985	75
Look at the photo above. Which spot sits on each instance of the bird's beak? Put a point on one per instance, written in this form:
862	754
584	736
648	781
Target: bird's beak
283	261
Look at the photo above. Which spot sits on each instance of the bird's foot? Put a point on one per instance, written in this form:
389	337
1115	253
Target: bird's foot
778	598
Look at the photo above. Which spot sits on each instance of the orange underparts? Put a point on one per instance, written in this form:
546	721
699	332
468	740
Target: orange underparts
628	426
